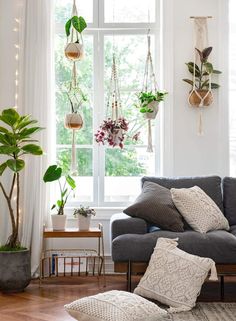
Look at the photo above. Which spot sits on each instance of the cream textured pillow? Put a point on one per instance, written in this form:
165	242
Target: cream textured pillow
115	306
174	277
198	209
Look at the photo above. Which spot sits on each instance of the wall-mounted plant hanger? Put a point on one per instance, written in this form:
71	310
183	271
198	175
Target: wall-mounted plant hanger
201	69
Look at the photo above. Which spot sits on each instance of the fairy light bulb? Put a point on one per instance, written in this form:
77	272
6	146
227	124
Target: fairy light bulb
17	56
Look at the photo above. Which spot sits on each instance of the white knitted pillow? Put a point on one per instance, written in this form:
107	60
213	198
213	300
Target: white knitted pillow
174	277
115	306
198	209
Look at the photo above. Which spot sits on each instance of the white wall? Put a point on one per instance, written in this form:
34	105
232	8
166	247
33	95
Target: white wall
191	154
185	153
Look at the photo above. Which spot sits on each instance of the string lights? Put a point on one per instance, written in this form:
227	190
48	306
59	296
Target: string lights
17	55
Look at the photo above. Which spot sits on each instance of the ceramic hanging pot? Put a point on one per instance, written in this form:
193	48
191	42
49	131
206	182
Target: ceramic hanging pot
73	121
74	51
198	97
154	106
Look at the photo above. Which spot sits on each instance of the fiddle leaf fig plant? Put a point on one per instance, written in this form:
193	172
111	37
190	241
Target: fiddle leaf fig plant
203	71
15	144
54	173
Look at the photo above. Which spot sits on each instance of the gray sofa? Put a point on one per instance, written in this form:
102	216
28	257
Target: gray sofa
133	239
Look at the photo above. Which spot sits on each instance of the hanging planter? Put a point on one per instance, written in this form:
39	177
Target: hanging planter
201	93
74	27
150	97
73	121
114	129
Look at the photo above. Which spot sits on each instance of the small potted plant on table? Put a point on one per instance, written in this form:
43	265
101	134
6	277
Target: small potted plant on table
54	173
84	215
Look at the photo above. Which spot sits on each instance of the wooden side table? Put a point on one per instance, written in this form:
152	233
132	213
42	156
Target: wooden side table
75	233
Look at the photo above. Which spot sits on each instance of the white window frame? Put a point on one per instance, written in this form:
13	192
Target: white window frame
99	29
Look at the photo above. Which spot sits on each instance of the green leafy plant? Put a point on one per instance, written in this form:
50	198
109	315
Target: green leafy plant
75	96
145	98
15	143
203	71
84	211
78	23
54	173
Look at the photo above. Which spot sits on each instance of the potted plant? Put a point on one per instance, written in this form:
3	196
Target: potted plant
149	102
84	215
112	132
54	173
15	144
74	49
200	93
76	97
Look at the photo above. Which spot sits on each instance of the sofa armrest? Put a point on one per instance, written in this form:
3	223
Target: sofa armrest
124	224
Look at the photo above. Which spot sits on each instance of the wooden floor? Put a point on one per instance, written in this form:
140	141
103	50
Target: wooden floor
46	303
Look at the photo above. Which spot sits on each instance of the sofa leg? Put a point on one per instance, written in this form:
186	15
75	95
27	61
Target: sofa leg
222	288
129	275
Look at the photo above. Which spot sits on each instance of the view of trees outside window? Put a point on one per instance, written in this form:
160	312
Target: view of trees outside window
106	175
232	87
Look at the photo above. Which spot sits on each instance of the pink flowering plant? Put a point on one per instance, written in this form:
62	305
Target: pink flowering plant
112	132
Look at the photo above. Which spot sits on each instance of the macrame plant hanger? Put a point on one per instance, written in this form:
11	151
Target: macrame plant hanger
73	120
200	42
149	84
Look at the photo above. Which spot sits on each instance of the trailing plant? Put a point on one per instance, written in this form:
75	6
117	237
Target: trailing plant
203	71
78	23
84	211
15	143
147	97
54	173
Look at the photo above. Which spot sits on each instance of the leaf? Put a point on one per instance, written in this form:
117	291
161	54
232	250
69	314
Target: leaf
8	150
216	72
188	81
209	67
25	123
70	181
25	133
200	54
15	165
214	86
190	66
3	140
78	23
59	203
53	173
67	27
32	149
9	116
54	205
3	130
205	84
3	166
64	193
206	53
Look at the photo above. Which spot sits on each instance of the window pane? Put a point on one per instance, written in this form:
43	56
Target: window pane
130	11
123	170
63	10
232	87
85	80
84	182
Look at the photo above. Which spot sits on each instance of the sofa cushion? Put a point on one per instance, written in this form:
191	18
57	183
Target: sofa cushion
229	199
219	245
198	209
174	277
155	205
210	184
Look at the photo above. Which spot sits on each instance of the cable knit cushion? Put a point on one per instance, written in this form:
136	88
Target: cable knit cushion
115	306
198	209
155	206
174	277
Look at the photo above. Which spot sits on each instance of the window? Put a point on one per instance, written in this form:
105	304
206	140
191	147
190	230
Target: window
107	176
232	87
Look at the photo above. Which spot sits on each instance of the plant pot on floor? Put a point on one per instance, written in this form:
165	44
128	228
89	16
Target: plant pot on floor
58	222
15	270
73	121
74	51
154	105
195	100
84	222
